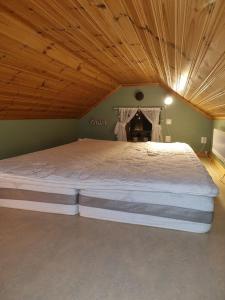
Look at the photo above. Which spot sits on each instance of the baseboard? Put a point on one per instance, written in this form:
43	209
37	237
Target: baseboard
219	166
202	154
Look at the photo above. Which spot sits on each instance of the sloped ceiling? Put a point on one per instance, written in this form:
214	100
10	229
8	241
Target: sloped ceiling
59	58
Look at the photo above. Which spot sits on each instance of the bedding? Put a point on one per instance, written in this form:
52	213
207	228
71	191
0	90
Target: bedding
143	219
179	196
145	183
37	199
180	200
93	164
18	189
167	211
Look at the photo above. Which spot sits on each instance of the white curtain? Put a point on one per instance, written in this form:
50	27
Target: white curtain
125	115
152	114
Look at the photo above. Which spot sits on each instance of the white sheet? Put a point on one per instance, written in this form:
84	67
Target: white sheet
92	164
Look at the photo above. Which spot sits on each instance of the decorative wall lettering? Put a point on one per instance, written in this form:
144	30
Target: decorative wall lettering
98	122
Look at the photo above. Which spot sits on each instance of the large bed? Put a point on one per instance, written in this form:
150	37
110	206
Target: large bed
155	184
33	182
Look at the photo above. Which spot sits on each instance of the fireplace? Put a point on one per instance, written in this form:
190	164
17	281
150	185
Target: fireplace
139	129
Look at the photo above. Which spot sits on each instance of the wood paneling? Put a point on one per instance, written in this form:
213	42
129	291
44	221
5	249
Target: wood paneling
59	58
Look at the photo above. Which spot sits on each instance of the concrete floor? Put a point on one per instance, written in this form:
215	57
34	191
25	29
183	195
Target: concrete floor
46	256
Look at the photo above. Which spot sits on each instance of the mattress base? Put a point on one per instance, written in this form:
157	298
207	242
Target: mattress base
140	219
198	202
40	206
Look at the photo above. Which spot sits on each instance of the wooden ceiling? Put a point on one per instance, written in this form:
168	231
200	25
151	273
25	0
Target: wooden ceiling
59	58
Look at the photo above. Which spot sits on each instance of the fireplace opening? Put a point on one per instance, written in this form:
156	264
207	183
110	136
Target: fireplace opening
139	129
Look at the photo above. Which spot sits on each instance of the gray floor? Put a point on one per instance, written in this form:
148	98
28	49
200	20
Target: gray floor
46	256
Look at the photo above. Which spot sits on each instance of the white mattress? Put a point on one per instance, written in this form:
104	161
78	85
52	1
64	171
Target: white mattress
92	164
40	206
140	219
202	203
24	183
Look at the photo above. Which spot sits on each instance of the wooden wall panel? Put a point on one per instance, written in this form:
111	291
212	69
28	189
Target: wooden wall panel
59	58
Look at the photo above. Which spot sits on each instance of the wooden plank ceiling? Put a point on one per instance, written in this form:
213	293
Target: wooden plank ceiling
59	58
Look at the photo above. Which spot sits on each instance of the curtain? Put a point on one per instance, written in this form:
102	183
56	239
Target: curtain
152	114
125	115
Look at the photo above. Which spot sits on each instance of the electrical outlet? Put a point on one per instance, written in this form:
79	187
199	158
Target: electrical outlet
203	140
167	138
168	121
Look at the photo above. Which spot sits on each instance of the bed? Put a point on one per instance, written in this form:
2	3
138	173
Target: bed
35	181
155	184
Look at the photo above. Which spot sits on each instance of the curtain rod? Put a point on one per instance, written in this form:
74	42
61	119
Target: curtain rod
118	107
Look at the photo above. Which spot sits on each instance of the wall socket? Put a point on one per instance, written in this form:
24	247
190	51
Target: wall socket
203	140
167	138
168	121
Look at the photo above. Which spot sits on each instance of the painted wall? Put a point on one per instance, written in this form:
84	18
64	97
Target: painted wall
187	126
23	136
219	124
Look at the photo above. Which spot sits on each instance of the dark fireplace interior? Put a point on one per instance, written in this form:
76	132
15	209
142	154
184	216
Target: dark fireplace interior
139	129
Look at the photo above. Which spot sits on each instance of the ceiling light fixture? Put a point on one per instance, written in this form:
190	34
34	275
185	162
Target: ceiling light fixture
168	100
181	83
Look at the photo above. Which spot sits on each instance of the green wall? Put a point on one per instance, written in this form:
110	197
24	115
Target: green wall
23	136
219	124
187	126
